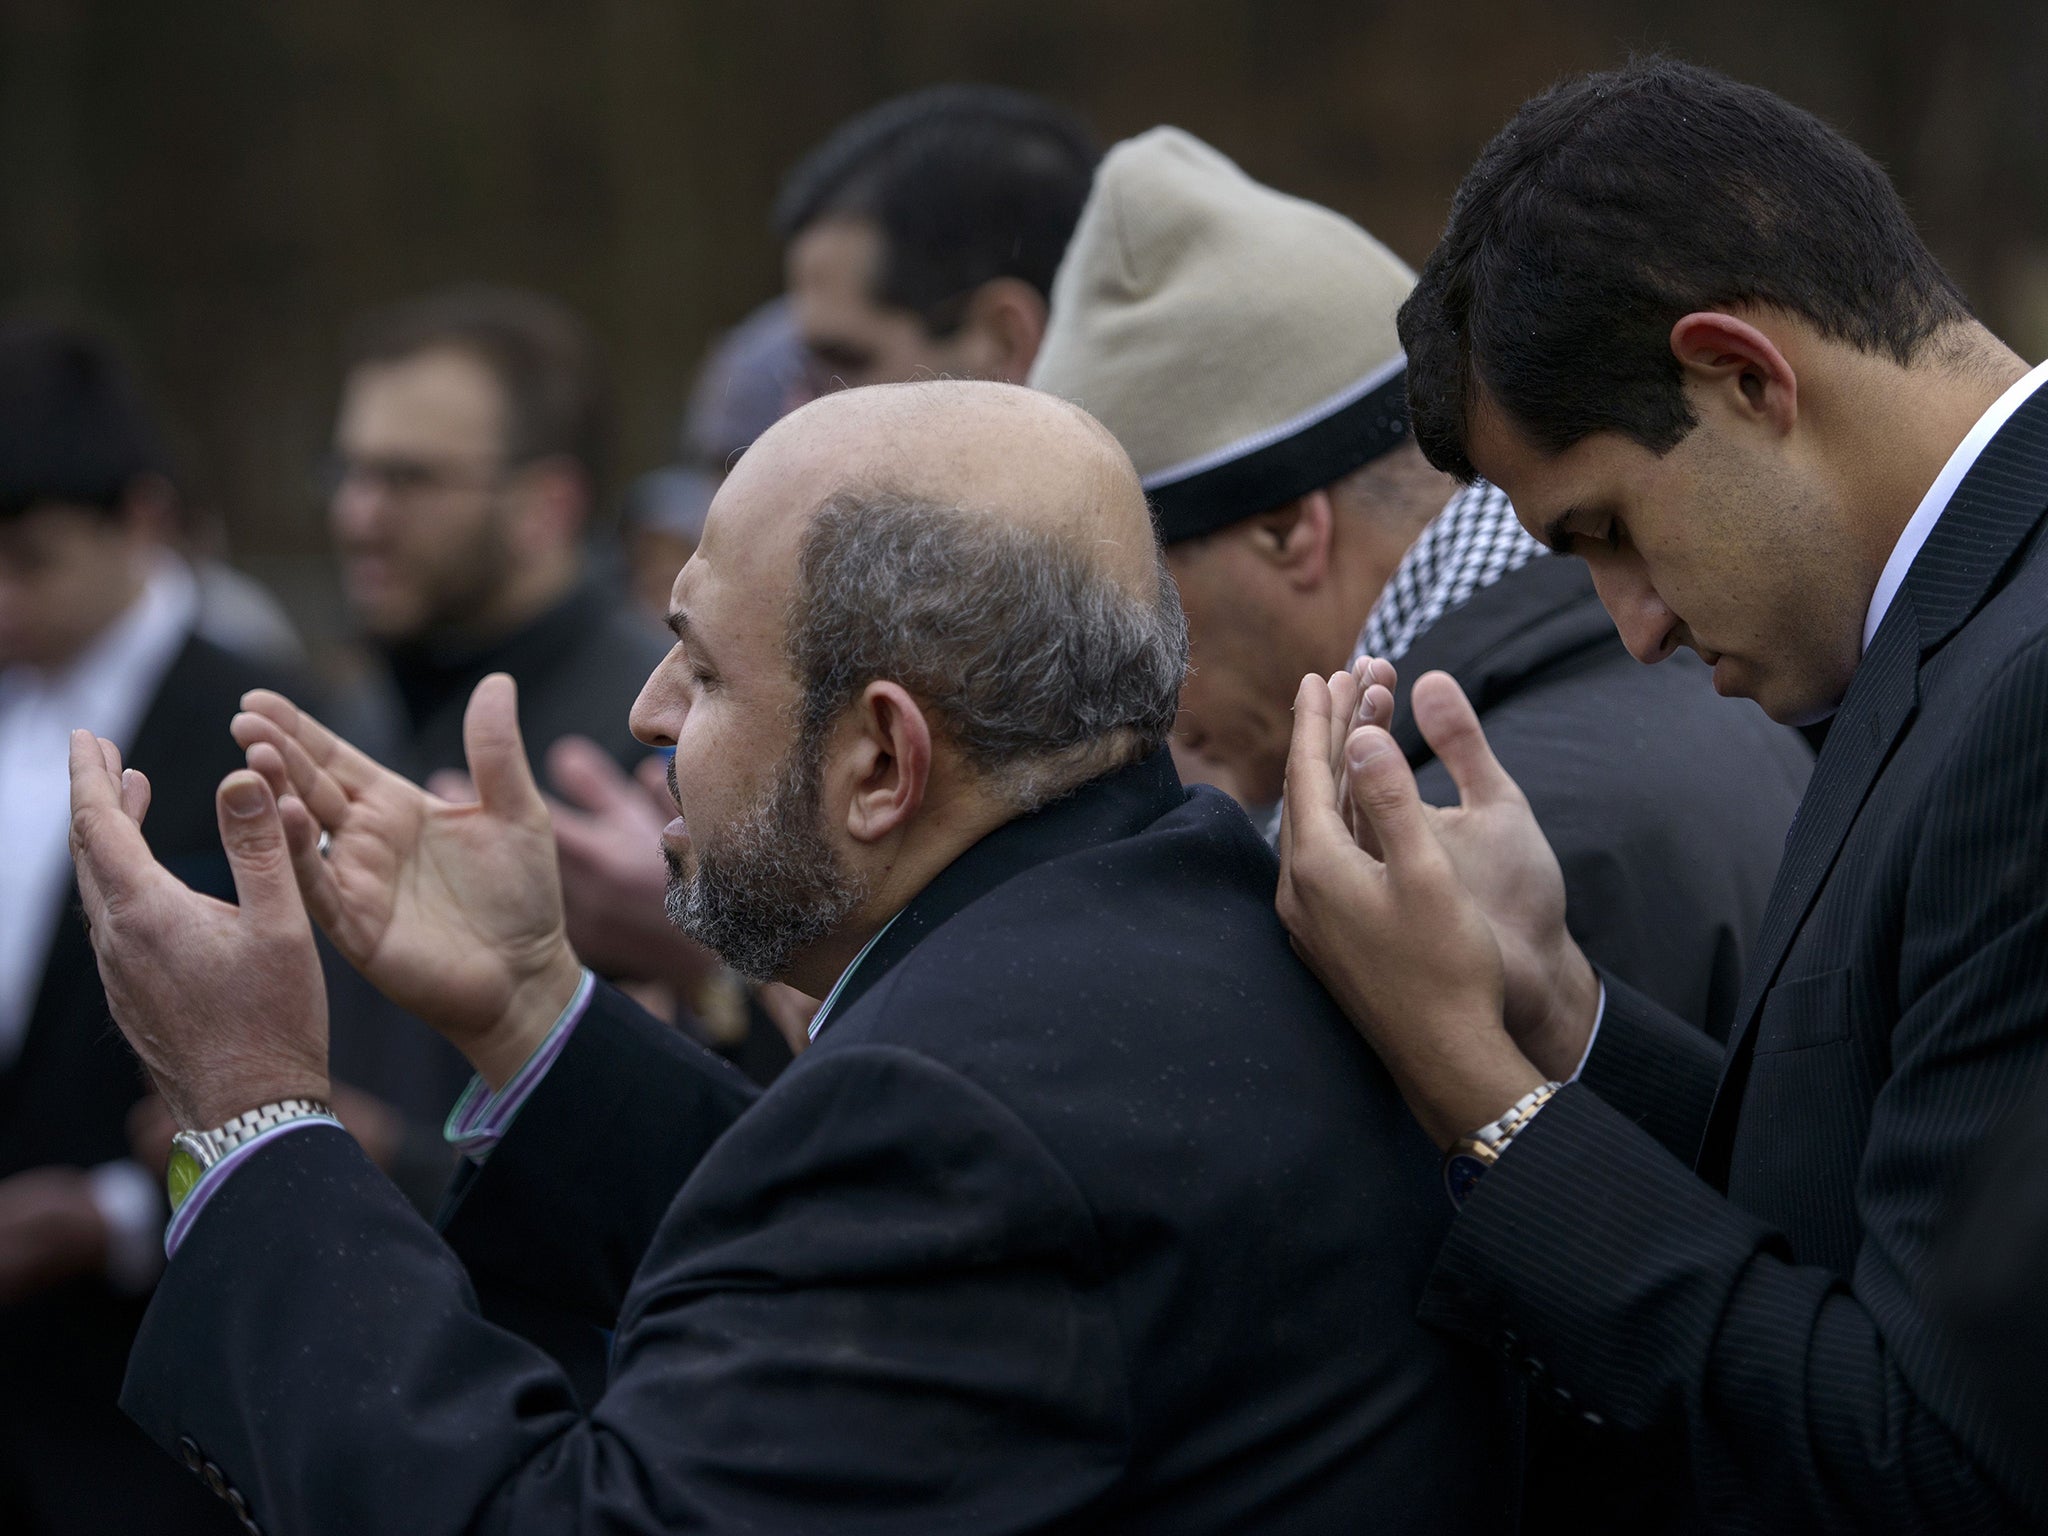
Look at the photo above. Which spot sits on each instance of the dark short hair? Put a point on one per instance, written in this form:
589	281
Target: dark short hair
544	359
1042	670
967	183
72	426
1614	204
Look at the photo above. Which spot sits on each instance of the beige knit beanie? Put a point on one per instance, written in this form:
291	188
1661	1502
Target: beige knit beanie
1238	342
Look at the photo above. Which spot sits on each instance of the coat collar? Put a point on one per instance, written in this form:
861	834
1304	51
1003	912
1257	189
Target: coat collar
1101	811
1986	525
1527	623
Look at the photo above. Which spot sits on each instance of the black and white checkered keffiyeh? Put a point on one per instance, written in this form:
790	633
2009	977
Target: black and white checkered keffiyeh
1468	546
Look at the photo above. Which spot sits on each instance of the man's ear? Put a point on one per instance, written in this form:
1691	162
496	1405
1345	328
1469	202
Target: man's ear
1009	316
1296	539
883	761
1731	359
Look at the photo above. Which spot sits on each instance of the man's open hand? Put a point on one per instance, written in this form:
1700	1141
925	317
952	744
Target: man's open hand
224	1004
1440	931
1507	864
453	911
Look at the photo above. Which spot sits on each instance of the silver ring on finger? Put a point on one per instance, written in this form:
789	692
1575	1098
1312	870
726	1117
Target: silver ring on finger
326	841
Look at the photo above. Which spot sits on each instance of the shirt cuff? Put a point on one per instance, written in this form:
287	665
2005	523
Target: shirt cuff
1598	1014
131	1204
211	1180
480	1117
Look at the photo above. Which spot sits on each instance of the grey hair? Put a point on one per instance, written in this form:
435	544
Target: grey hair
1043	671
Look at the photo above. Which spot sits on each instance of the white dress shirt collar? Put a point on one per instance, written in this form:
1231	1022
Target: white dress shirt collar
1914	535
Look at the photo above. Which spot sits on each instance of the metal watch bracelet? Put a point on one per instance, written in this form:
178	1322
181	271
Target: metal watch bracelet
1472	1155
194	1152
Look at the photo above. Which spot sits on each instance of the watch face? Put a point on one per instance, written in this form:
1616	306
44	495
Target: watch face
182	1175
1461	1175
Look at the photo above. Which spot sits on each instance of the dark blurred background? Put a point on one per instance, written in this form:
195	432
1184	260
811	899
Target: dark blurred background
223	183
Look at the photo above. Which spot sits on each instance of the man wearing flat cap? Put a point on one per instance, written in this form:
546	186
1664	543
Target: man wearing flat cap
1241	345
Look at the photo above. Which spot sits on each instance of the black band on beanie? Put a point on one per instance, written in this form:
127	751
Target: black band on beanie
1275	474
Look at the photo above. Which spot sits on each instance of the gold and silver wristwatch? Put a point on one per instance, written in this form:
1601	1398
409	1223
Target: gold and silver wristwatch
1474	1154
193	1152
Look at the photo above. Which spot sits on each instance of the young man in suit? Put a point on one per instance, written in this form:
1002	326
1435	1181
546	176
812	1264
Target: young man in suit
1240	343
96	629
1068	1219
1691	331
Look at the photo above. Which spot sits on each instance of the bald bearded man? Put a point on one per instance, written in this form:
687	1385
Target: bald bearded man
1086	1210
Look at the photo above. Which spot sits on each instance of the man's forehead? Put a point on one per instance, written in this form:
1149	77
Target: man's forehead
757	518
733	593
1498	449
51	526
440	394
1543	487
839	252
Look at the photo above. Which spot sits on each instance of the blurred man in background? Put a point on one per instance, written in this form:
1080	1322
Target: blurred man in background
468	467
1241	345
921	238
469	459
97	623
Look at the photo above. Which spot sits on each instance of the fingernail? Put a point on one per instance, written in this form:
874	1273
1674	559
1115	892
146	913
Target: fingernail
244	798
1363	748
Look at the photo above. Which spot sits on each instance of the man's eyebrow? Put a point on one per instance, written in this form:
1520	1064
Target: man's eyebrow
679	625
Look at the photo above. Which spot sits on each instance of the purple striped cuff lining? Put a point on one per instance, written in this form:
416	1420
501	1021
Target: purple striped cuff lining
480	1117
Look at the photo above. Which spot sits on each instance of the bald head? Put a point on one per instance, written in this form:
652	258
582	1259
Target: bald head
1019	457
918	610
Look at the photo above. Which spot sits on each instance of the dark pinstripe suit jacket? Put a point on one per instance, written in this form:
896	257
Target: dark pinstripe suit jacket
1727	1258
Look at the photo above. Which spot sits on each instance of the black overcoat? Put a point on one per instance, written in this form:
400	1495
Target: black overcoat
1087	1211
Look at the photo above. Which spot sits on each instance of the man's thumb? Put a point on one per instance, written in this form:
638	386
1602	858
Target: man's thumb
497	755
253	835
1451	727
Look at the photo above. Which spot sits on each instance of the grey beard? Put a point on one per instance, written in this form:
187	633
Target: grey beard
771	885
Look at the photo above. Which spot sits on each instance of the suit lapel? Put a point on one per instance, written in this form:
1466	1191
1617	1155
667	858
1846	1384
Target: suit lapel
1987	525
1875	714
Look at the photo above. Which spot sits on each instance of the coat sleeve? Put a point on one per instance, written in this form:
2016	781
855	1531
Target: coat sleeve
877	1305
1637	1296
1989	1290
1654	1068
563	1210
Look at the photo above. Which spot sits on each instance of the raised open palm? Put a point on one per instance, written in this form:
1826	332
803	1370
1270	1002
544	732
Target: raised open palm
1493	843
452	910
